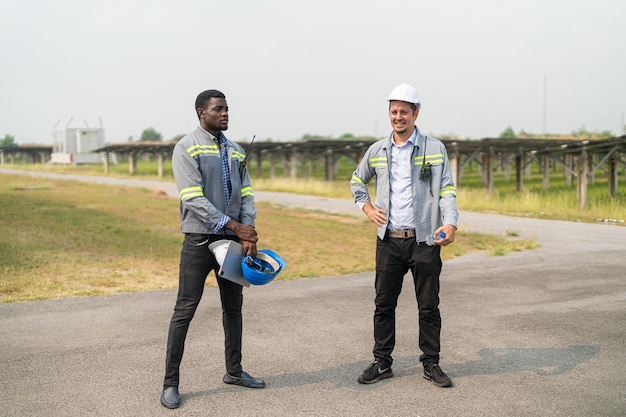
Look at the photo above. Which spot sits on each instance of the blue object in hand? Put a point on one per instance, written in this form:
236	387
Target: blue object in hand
442	235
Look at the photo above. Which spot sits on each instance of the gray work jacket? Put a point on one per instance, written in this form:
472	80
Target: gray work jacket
197	167
434	200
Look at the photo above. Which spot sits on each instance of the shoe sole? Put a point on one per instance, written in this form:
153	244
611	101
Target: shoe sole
438	384
373	381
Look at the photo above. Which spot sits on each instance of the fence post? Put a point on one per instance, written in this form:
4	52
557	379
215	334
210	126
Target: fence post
582	179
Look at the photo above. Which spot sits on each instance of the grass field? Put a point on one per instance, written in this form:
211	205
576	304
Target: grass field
558	202
63	238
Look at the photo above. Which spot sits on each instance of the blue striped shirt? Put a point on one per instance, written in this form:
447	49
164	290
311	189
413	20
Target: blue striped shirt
225	180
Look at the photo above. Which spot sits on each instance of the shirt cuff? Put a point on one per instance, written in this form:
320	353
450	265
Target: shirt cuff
221	223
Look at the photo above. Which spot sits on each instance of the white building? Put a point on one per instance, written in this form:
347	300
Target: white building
74	144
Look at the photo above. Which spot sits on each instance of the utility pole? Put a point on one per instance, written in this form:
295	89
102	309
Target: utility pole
544	104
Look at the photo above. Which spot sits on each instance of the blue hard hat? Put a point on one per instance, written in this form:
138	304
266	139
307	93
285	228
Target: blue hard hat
263	268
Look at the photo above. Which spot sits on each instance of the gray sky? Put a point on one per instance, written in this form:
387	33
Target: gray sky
324	67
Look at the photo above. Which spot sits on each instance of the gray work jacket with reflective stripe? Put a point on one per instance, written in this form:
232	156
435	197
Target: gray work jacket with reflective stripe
434	200
197	167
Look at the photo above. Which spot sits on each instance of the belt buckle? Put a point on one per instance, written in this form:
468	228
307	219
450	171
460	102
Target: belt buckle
405	232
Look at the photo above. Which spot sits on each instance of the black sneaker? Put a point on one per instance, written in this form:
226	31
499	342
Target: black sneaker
434	374
375	373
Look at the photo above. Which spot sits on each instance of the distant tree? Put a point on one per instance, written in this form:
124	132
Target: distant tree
366	138
445	136
8	142
150	135
581	133
308	136
346	136
507	133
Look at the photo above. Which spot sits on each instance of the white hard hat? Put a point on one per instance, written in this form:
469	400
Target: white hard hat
404	92
228	254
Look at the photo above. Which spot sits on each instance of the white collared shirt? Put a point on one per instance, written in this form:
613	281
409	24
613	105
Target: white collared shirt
401	213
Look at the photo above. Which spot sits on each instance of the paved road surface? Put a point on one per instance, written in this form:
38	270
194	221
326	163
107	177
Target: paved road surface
537	333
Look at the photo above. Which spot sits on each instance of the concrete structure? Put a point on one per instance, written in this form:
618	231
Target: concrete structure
75	144
26	153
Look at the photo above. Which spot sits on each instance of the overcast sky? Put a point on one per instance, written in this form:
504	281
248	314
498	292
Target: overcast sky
325	67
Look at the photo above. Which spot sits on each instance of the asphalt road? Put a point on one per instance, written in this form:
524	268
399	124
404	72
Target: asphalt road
535	333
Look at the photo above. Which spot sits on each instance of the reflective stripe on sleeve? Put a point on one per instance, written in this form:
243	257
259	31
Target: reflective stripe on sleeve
246	191
450	189
191	192
356	180
378	162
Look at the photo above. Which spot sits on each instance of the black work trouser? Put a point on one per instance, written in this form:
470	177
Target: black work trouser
394	258
196	261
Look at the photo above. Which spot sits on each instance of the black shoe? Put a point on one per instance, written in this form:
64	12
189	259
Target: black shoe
170	398
375	373
245	380
434	374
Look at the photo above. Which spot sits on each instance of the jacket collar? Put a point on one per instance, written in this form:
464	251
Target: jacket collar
419	139
217	140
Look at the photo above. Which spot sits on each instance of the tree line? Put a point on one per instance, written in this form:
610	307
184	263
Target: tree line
150	134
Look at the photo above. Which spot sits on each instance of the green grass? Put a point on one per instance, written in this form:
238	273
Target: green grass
61	238
558	202
66	238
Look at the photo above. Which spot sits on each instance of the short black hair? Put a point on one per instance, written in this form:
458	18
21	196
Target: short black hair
204	96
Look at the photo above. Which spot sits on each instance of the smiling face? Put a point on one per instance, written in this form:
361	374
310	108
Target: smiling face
214	116
402	117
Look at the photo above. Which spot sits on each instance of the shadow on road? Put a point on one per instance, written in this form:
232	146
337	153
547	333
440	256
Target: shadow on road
542	361
494	361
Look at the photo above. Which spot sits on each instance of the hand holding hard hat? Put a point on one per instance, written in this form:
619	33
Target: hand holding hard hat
262	269
246	270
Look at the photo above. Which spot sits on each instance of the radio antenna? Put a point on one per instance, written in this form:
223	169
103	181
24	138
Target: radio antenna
243	164
249	149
